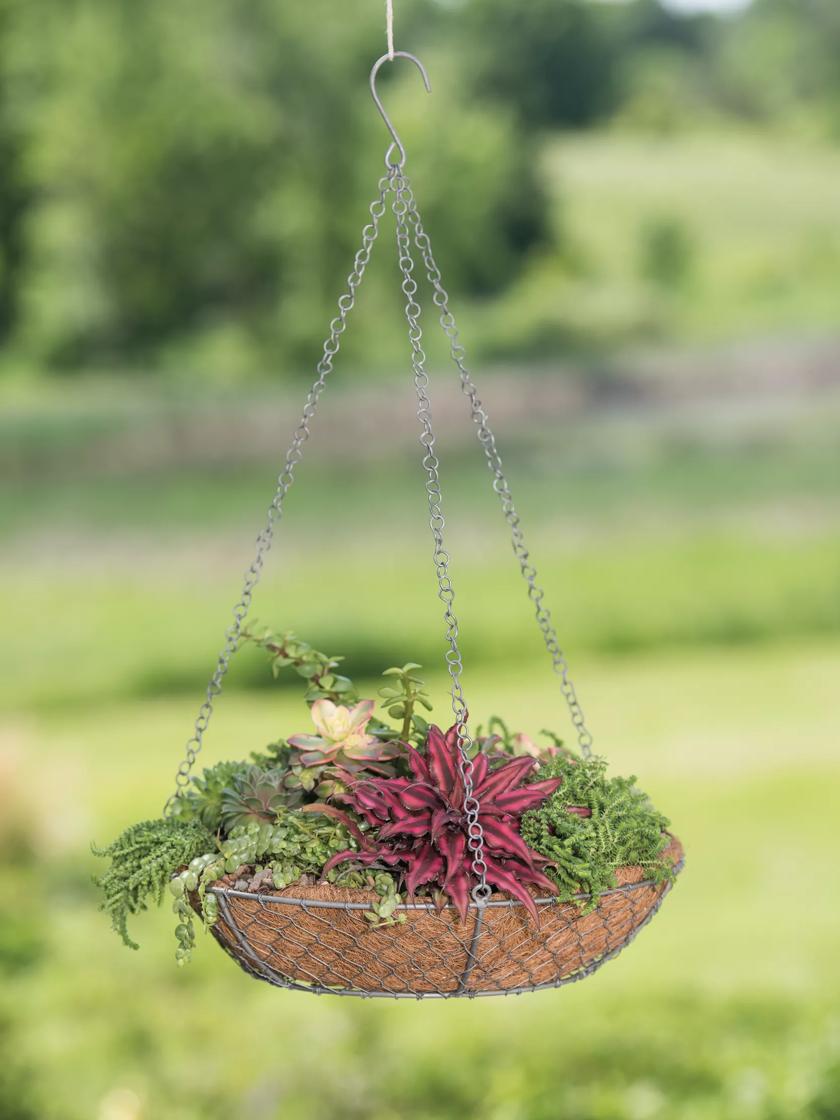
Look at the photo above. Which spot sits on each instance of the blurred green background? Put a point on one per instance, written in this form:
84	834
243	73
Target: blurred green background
636	211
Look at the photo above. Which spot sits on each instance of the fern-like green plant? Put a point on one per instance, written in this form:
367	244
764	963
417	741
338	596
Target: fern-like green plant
622	828
143	861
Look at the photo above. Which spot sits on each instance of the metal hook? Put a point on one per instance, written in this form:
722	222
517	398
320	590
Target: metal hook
397	143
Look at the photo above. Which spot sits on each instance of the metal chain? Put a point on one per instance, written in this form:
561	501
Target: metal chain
402	204
285	479
500	483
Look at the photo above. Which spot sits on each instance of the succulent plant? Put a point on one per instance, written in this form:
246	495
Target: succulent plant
294	844
499	742
418	824
256	795
401	696
342	738
142	861
202	799
318	669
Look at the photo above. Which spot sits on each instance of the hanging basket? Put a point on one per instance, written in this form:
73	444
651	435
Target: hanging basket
317	939
321	938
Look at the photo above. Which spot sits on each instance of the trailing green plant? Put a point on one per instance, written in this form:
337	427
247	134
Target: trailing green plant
143	859
288	651
258	853
592	825
401	696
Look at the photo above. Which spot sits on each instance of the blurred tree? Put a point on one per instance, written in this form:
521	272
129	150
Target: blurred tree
780	62
557	62
200	173
192	166
14	195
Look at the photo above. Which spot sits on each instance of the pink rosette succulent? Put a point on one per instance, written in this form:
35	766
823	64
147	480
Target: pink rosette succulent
341	737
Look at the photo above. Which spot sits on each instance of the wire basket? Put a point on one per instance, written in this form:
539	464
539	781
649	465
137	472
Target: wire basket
317	939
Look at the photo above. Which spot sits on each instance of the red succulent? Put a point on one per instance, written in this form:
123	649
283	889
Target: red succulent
419	823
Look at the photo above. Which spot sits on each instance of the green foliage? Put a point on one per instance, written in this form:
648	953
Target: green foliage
624	828
317	668
667	252
143	859
302	783
559	64
294	844
255	795
202	800
383	883
403	693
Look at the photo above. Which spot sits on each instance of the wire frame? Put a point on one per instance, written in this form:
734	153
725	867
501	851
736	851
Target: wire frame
318	940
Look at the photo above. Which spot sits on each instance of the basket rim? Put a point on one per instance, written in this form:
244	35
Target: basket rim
496	904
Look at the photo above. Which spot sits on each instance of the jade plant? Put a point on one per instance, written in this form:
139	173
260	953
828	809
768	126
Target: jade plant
378	805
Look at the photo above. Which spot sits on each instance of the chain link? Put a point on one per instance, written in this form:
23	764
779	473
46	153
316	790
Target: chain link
500	483
285	479
403	202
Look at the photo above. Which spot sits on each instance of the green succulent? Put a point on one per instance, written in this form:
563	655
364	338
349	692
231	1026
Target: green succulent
316	668
296	843
202	799
304	783
256	795
403	693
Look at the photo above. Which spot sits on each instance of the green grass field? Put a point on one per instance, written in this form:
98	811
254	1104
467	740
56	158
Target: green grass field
691	237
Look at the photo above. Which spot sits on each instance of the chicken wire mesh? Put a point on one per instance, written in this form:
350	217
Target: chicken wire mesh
315	939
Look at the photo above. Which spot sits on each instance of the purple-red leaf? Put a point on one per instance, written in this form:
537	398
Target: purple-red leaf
506	880
415	795
519	801
502	837
426	866
443	766
418	765
451	846
480	765
505	777
457	887
418	824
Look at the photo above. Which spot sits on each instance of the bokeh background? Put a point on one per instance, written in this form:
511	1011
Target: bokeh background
637	212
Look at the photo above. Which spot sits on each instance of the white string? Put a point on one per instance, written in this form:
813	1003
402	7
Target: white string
389	27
